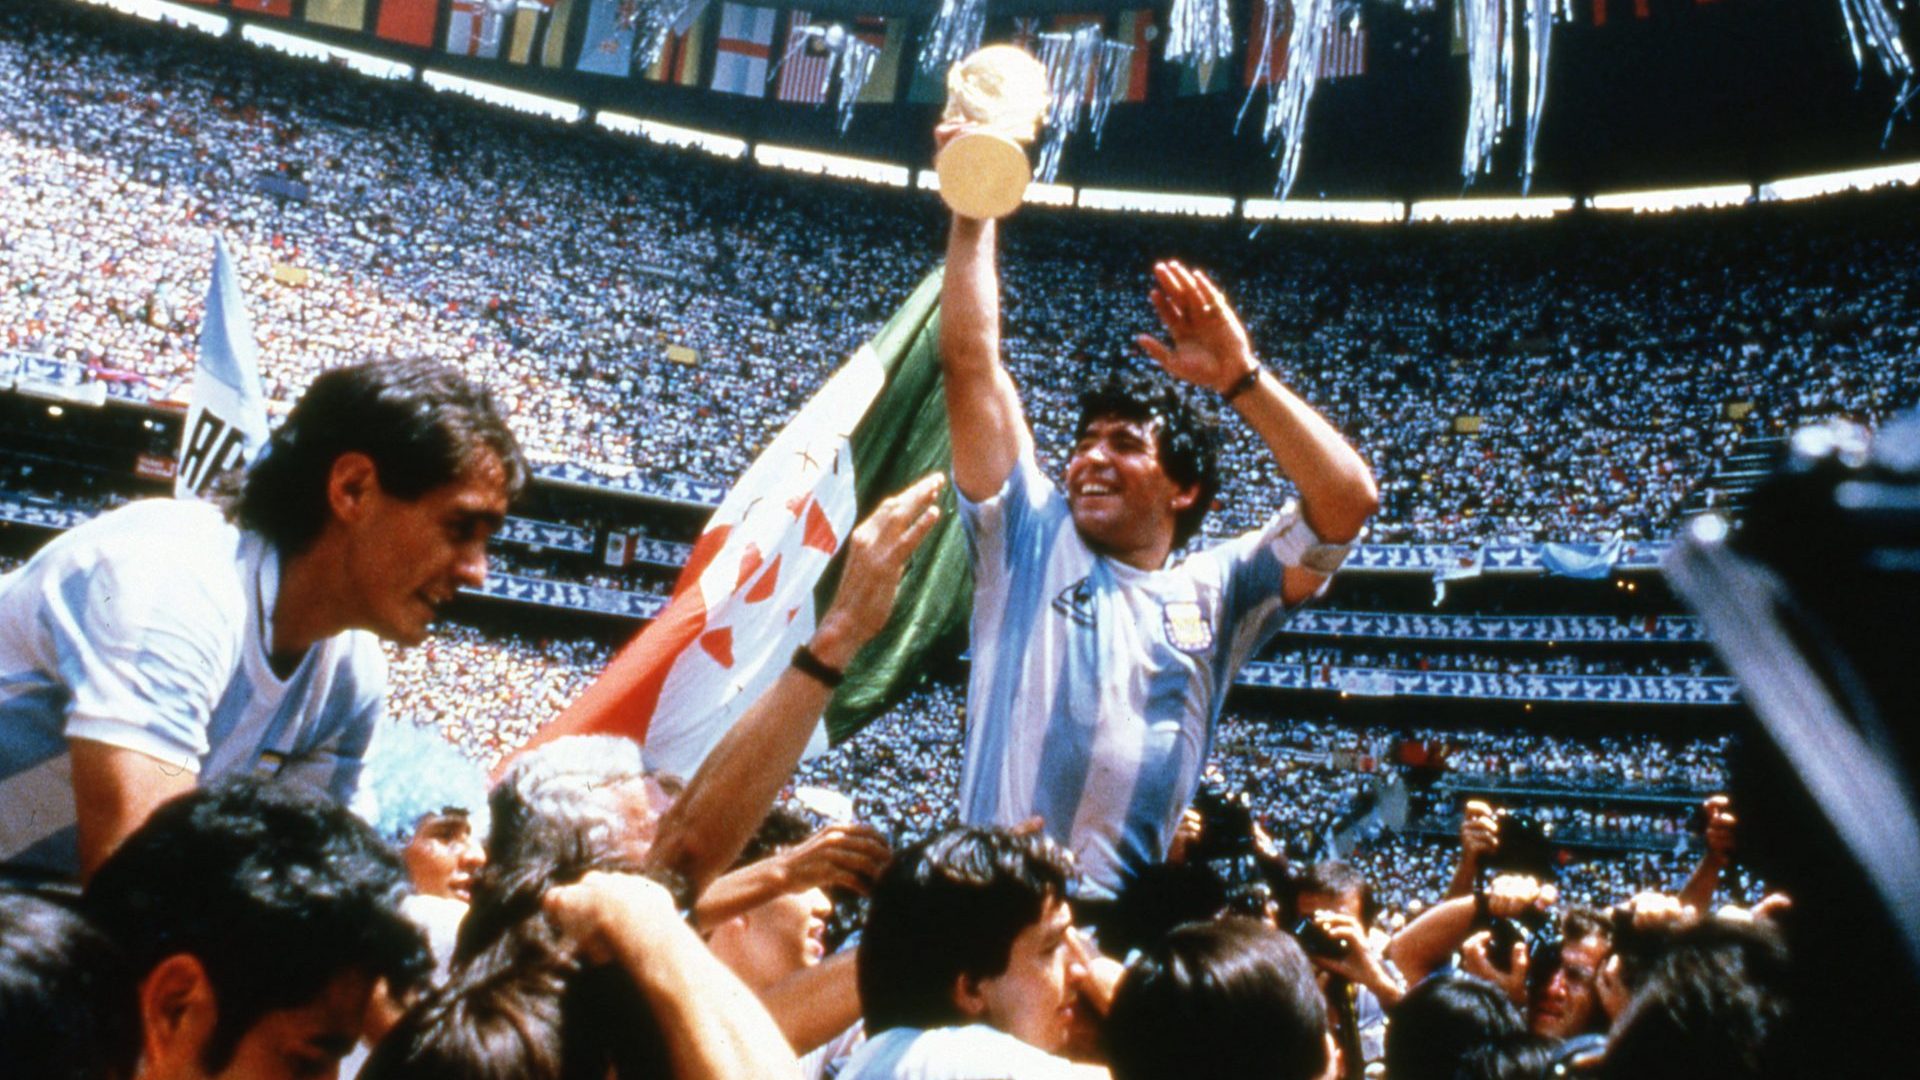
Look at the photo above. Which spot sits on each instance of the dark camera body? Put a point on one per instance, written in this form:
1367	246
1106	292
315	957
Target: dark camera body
1526	847
1316	941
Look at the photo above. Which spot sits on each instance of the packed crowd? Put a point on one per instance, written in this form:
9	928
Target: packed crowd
557	265
1562	663
1301	775
487	693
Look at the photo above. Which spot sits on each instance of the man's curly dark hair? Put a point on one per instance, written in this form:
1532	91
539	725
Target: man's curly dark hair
1186	437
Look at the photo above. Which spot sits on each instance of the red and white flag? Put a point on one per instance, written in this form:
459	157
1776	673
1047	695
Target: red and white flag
753	586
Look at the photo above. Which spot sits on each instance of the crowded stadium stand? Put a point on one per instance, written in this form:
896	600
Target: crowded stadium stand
1546	405
1513	385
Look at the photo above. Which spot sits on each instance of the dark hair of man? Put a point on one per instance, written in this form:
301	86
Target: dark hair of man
422	423
1715	1004
68	1005
1157	899
782	828
1227	999
947	907
518	1006
1188	444
1525	1056
275	889
1441	1021
1331	877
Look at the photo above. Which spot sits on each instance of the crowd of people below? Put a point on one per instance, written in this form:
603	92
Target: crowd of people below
1598	359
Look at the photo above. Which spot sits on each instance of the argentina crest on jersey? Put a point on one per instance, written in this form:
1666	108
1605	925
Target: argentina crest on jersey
1187	626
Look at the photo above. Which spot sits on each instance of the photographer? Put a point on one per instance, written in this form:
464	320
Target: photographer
1330	916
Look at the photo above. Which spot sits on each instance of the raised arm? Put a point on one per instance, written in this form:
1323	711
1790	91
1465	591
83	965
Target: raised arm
1210	348
713	1025
1425	943
704	830
983	408
841	855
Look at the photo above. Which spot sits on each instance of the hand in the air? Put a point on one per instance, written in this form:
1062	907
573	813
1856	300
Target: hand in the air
1210	347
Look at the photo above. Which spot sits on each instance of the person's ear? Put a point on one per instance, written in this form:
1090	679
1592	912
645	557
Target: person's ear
969	996
351	482
177	1015
1184	498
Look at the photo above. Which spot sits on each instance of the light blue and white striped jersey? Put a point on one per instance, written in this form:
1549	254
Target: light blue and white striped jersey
147	629
1095	684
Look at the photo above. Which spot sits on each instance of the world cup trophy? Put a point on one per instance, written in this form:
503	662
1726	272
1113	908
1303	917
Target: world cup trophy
1001	92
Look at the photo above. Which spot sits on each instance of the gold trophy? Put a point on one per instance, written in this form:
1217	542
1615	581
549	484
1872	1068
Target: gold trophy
1002	91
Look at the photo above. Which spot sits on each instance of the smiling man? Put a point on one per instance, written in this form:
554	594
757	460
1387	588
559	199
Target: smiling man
1100	665
171	642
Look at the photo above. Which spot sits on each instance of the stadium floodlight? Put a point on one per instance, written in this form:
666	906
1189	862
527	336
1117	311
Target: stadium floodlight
504	96
162	12
1368	212
1488	209
1660	202
1156	202
794	159
653	131
378	67
1808	187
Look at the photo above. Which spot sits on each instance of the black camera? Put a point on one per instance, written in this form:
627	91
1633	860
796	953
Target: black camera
1315	940
1526	847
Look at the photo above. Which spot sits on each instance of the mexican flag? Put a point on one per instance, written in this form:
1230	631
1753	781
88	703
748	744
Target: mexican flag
770	559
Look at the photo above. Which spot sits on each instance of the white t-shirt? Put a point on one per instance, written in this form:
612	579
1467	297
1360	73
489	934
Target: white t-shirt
148	629
974	1052
1095	684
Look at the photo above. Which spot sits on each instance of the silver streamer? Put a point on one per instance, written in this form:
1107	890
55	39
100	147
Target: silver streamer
1199	31
856	64
852	59
1083	74
655	22
1875	25
1493	28
1540	15
953	35
1489	25
1286	118
1115	58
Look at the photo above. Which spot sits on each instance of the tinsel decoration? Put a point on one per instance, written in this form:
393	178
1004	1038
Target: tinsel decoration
1115	58
953	35
1489	79
857	60
654	22
1286	118
1199	32
852	61
1083	73
1540	16
1493	30
1875	25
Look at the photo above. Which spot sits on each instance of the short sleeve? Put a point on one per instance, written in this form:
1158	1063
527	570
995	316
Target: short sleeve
1011	518
145	652
1251	571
